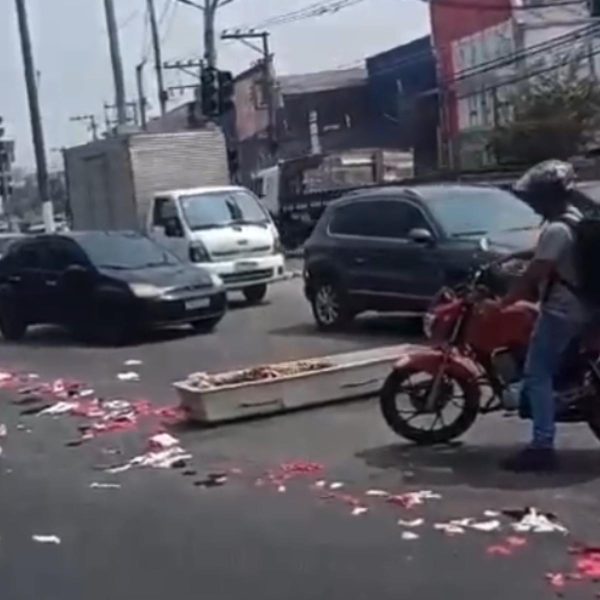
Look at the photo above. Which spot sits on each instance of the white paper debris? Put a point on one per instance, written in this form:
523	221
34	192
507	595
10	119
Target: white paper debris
87	392
359	510
3	430
409	536
320	484
377	493
46	539
535	522
60	408
105	486
133	362
128	376
411	524
282	489
163	441
449	528
336	485
163	459
491	514
486	525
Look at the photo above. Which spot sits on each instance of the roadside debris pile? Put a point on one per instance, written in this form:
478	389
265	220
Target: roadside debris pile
206	381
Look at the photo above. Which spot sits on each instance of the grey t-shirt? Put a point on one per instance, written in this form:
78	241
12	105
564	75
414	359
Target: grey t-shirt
556	244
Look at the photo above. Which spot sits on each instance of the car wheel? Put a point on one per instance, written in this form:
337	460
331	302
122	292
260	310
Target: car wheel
12	325
329	306
206	325
255	293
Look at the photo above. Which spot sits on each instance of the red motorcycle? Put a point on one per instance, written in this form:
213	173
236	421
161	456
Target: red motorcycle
475	358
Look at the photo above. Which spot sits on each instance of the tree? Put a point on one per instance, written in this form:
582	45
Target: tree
555	117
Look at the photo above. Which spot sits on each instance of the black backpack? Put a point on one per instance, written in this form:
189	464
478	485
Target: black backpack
586	256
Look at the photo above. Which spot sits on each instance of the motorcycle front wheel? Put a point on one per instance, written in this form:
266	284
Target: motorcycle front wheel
404	405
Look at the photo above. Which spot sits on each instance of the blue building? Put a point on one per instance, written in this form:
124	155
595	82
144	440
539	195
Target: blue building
402	84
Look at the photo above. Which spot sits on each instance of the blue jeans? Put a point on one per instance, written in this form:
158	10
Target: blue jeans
549	340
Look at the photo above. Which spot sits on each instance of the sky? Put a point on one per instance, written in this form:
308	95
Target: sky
72	57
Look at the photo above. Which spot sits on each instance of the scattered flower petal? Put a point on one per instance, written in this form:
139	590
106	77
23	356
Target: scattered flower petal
411	524
46	539
409	536
359	510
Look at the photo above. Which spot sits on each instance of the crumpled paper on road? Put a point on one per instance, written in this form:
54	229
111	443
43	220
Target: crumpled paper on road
164	452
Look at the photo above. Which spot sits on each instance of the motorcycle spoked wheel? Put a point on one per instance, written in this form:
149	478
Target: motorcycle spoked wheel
414	386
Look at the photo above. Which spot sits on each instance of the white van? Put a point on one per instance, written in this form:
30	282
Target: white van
225	230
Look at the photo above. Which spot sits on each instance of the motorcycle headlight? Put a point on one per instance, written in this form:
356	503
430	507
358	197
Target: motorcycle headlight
146	290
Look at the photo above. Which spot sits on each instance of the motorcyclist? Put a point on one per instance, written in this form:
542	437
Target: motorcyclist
547	188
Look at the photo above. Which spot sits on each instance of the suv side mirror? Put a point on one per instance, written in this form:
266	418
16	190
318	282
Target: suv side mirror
421	236
173	227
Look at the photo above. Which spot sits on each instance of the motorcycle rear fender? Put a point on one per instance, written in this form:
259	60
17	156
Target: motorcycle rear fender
429	360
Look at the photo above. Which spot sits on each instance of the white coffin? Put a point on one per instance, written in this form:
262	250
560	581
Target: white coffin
352	375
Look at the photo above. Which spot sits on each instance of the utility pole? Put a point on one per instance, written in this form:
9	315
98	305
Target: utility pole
162	96
36	118
269	84
91	121
209	9
139	77
117	66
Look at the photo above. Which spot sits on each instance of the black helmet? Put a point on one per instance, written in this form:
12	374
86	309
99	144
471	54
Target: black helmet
551	180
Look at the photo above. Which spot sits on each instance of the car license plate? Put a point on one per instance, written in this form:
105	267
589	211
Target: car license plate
245	265
197	304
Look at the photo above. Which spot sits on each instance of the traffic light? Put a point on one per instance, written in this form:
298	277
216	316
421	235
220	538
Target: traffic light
210	92
226	90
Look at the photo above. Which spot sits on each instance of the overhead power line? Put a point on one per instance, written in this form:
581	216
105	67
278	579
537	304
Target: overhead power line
563	40
472	5
314	10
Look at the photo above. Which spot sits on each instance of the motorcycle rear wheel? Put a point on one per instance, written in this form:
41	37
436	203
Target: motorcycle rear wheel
400	382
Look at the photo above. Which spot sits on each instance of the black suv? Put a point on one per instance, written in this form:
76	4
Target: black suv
392	248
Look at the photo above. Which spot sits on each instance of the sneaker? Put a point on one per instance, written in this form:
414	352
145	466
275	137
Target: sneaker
532	460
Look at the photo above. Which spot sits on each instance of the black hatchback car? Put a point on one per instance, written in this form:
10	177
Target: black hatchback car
393	248
103	285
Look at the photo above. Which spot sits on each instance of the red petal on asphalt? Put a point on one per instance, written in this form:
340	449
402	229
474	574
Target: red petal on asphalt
515	541
499	550
556	580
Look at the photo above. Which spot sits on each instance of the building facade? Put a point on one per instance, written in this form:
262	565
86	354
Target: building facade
489	53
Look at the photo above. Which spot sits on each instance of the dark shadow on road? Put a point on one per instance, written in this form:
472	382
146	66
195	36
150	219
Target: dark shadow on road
478	466
57	337
394	328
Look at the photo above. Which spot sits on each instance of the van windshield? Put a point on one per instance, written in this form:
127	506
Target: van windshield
222	209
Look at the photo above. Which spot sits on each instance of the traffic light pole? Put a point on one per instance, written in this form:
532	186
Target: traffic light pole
162	96
36	119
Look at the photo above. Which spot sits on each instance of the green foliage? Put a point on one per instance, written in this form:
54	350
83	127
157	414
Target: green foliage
554	118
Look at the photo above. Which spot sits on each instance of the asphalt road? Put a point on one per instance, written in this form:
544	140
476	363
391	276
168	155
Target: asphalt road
160	536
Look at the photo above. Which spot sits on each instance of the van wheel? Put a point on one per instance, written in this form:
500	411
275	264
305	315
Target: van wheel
12	325
329	306
256	293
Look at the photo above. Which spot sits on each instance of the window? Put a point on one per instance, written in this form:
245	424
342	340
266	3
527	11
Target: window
164	211
28	256
61	255
222	209
392	219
